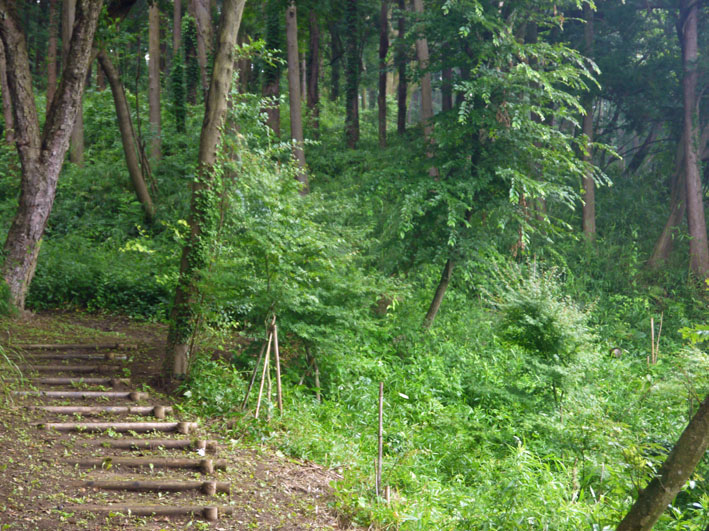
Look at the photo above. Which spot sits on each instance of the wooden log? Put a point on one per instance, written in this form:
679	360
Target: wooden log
209	513
153	444
120	426
133	395
110	356
206	466
97	410
78	346
209	488
113	382
67	368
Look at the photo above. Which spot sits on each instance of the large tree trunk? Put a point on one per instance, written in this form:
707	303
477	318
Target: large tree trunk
41	155
128	138
76	151
200	12
698	245
589	186
401	60
176	27
154	78
296	115
440	293
383	51
352	67
6	99
194	257
674	473
313	100
52	51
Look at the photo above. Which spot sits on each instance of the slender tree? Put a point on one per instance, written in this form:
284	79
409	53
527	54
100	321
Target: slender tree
401	60
6	99
272	73
426	91
42	151
200	11
52	51
176	27
128	137
194	254
313	70
154	77
589	186
336	55
383	51
294	85
352	74
76	151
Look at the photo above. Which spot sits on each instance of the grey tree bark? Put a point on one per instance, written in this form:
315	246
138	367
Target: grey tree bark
589	186
294	97
6	100
76	151
200	12
154	78
194	259
383	51
52	51
42	151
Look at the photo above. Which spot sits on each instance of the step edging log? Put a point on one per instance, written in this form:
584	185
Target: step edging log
180	427
209	488
206	466
133	395
208	446
158	411
78	380
209	513
108	356
77	346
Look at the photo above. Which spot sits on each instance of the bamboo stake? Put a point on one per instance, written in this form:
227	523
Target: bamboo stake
380	438
278	369
263	375
652	340
659	334
253	376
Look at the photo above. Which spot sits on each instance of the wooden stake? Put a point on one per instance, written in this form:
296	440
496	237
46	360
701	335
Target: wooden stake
659	334
263	375
652	340
278	369
253	376
380	438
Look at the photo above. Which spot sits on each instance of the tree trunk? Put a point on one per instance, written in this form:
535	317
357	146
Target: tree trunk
194	257
41	155
176	27
401	60
272	73
383	50
440	292
674	473
589	186
294	84
698	245
76	150
313	101
336	54
200	12
352	68
6	100
426	92
52	51
447	89
243	66
154	78
128	137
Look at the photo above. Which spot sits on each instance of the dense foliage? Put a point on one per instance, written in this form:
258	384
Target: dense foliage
532	401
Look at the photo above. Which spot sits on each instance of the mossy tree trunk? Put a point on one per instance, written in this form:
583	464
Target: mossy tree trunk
195	253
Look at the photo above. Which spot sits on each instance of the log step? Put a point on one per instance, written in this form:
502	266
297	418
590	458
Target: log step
180	427
79	346
66	368
209	488
154	444
157	411
209	513
133	395
113	382
206	466
109	356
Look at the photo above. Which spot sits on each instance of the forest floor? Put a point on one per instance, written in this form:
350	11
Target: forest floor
38	486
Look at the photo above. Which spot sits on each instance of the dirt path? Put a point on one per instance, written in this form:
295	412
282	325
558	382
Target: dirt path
70	460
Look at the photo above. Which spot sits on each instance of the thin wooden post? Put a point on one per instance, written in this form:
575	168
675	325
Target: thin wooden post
652	340
263	375
253	376
380	438
278	369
